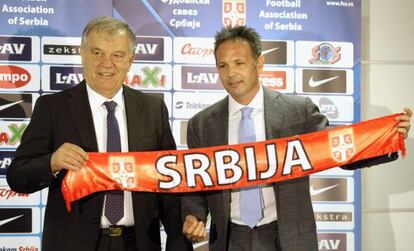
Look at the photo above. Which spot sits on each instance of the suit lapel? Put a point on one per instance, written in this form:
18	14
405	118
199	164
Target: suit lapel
133	107
273	113
79	109
218	125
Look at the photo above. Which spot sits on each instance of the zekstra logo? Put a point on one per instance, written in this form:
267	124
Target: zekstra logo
61	49
13	77
16	48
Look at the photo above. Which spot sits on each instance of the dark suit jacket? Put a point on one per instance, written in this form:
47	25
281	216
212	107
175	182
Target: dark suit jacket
66	117
284	116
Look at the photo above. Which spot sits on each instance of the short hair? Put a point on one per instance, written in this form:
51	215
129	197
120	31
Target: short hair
110	26
242	33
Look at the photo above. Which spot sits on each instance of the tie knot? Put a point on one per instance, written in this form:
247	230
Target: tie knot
110	106
246	112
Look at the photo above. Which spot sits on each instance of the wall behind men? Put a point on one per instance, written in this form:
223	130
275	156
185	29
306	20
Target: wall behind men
387	87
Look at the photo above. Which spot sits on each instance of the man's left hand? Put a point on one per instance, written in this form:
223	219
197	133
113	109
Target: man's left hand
404	124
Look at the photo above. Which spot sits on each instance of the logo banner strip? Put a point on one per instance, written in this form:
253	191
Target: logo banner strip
234	166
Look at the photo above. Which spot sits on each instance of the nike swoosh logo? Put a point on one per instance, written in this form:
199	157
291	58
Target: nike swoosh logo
2	107
313	83
9	219
314	191
269	50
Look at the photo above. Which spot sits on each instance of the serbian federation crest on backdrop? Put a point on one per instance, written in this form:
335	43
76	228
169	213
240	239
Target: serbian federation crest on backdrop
234	13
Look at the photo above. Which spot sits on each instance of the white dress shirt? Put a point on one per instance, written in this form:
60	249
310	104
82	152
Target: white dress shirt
99	114
269	211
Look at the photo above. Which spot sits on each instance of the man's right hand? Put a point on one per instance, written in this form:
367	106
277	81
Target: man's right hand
194	229
68	156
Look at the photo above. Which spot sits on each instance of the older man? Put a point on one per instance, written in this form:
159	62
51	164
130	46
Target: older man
98	115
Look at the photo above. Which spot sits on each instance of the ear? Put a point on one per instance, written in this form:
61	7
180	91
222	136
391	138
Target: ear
131	59
260	63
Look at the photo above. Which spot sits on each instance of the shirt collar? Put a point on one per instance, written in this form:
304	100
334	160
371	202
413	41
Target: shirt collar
96	100
256	103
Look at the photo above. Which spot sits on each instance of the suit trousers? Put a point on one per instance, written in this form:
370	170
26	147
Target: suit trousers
261	238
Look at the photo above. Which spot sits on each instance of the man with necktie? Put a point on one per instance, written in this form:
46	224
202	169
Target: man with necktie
271	217
98	115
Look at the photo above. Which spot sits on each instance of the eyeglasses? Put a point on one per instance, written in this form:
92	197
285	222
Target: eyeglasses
117	57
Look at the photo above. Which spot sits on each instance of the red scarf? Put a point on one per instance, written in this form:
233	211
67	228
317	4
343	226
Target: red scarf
234	166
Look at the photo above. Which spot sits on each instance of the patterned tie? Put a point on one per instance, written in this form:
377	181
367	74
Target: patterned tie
114	203
251	199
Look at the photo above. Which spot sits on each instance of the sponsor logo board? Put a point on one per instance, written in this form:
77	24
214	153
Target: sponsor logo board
186	104
11	198
332	189
19	77
61	50
330	241
17	106
19	49
194	50
324	54
334	216
277	79
20	220
154	49
6	158
11	133
278	52
196	77
335	108
324	81
150	77
20	243
59	77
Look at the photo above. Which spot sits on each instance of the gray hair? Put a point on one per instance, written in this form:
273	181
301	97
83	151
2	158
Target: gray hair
110	26
242	33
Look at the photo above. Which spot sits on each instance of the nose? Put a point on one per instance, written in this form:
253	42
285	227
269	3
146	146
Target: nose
231	72
107	61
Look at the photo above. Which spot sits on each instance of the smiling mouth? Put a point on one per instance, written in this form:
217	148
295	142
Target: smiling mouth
106	74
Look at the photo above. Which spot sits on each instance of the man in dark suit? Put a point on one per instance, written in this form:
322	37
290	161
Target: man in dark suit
67	125
286	220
